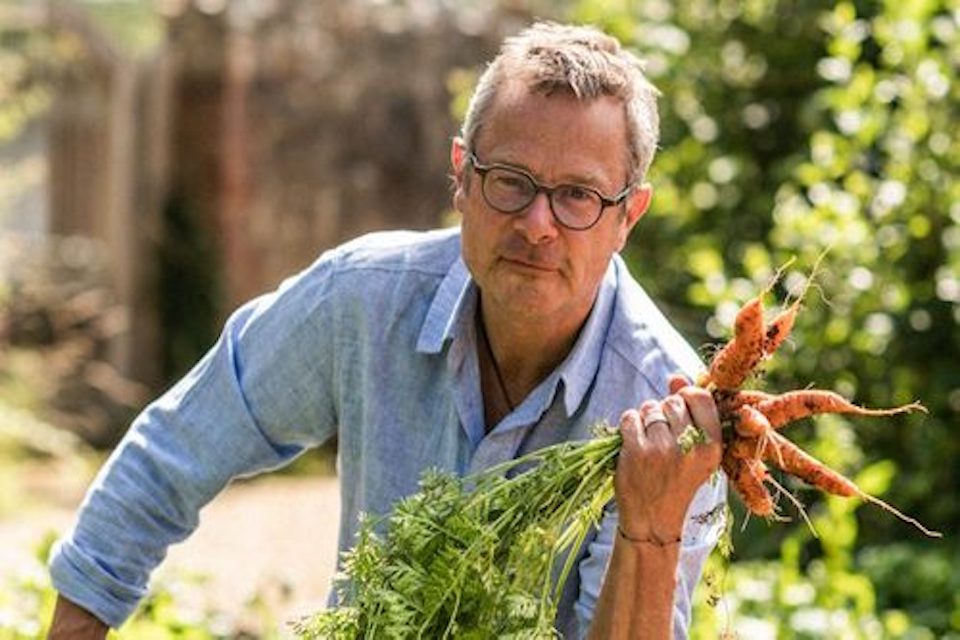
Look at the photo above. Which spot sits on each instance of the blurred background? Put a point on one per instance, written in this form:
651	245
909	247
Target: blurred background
162	161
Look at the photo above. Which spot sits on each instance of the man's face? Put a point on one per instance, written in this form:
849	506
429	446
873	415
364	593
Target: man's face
527	264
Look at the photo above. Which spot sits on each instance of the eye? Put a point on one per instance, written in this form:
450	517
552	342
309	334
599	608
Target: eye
574	193
509	181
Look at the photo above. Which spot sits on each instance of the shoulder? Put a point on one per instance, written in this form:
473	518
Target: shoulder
378	263
428	253
364	273
643	338
385	275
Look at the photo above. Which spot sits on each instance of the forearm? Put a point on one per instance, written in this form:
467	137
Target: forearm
180	452
145	499
71	622
637	595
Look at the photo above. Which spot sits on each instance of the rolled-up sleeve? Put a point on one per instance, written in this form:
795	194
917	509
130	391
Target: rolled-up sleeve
263	394
701	532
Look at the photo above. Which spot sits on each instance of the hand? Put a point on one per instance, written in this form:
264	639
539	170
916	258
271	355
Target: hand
74	622
655	481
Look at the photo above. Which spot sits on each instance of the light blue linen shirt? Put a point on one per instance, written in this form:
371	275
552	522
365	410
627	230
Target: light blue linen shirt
374	344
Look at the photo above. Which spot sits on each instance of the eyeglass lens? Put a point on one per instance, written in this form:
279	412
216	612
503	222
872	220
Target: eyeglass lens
511	191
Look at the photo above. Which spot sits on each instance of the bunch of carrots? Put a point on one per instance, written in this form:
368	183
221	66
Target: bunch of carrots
753	419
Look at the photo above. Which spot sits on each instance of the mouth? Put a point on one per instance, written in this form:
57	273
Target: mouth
529	265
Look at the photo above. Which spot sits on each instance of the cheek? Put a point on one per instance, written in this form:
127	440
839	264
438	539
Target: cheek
466	239
459	198
461	193
622	234
596	256
473	246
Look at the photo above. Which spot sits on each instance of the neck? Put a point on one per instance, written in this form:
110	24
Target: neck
525	352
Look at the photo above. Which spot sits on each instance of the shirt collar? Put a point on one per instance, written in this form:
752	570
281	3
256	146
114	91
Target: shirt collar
446	309
455	300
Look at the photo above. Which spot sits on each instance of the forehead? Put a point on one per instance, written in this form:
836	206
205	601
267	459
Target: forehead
557	136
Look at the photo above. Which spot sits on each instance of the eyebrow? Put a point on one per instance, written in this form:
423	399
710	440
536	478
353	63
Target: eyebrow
577	180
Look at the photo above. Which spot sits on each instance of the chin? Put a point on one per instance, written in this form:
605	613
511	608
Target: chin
532	298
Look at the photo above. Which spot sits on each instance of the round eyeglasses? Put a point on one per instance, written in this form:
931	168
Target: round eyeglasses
510	190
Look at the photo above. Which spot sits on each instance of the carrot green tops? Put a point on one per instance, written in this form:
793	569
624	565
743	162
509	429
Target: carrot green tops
374	344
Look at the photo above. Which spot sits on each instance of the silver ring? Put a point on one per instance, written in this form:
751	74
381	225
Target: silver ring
652	417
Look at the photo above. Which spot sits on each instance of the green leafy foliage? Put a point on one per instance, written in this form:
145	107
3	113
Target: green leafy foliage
482	557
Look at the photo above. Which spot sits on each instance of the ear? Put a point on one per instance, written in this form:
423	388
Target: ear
458	156
458	162
637	204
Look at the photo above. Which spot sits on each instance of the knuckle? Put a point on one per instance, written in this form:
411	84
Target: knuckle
630	428
649	405
694	393
630	417
675	403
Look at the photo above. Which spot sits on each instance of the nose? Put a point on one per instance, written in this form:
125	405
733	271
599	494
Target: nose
536	222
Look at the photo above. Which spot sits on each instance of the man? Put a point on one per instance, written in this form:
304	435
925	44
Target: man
454	349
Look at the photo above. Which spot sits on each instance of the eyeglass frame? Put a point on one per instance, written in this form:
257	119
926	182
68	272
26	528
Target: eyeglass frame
538	188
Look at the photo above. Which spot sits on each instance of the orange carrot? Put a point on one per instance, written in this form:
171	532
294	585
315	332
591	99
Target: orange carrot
747	476
729	400
752	397
760	503
795	461
795	405
740	447
779	328
750	423
737	359
782	324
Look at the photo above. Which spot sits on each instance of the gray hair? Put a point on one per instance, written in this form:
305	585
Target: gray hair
551	57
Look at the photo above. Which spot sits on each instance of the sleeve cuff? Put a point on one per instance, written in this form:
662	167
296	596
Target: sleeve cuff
80	579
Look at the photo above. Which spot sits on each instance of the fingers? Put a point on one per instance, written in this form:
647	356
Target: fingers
656	427
651	413
703	410
631	426
677	414
661	423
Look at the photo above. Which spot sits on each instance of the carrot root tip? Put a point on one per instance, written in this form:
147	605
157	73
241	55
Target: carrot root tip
930	533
